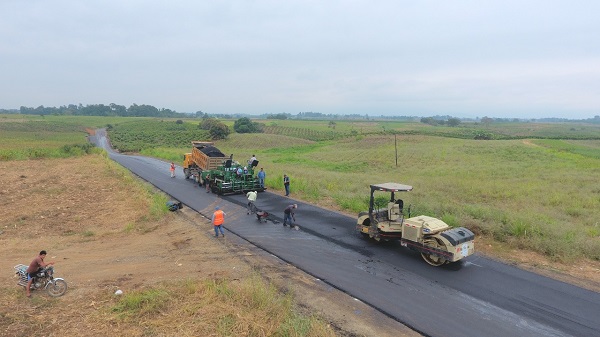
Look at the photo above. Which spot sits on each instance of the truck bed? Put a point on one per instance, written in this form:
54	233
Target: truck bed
207	157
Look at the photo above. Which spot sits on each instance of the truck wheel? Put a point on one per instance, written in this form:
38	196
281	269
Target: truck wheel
186	172
433	260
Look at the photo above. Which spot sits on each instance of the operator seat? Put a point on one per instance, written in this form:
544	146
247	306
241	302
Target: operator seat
400	204
394	210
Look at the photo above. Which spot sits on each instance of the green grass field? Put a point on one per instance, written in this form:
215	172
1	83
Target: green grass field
26	137
535	187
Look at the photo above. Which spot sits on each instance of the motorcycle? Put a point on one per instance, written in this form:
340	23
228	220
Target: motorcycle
44	279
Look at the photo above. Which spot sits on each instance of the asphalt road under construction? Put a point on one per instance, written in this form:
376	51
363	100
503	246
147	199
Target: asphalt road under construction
477	298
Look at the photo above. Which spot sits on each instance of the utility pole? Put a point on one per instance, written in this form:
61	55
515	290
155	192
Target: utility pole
396	148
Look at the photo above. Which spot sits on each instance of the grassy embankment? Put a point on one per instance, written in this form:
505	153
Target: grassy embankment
220	308
534	188
250	307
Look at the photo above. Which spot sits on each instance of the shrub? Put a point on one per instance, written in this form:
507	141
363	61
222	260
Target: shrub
208	123
219	131
245	125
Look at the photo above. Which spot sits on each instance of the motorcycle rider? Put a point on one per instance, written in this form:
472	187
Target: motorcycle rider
34	267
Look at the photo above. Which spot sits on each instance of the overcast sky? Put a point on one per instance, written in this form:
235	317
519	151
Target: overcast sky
526	59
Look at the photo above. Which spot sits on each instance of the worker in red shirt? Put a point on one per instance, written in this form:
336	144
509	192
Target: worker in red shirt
172	169
34	267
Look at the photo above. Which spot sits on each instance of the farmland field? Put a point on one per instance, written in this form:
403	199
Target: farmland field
138	135
27	137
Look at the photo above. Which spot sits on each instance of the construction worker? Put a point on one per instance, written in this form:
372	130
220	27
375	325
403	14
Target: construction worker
288	215
286	184
261	177
217	220
251	199
172	169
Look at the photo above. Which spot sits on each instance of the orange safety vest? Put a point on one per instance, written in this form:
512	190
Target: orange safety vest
219	218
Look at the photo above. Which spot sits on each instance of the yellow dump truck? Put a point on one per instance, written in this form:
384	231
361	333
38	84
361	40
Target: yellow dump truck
204	157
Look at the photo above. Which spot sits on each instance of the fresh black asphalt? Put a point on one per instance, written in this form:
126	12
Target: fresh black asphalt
478	298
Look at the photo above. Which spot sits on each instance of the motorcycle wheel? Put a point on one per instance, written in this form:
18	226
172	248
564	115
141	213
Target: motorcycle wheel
57	288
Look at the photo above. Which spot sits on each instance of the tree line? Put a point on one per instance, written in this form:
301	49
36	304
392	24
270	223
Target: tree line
143	110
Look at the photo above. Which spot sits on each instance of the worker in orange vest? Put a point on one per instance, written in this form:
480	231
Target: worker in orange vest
218	218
